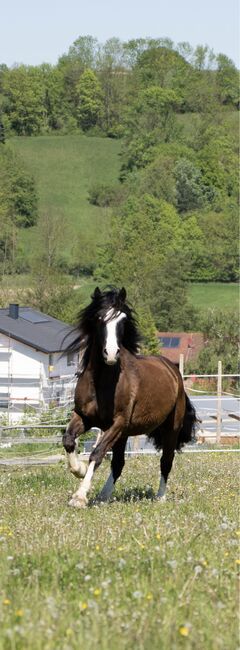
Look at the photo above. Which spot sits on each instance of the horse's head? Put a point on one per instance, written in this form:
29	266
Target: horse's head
112	318
109	323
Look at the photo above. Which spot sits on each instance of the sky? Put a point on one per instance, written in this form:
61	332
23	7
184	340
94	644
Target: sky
37	31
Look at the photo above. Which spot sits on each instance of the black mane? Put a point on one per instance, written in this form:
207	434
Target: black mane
87	319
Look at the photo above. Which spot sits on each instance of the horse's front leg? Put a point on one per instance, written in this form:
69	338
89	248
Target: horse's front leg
108	439
72	431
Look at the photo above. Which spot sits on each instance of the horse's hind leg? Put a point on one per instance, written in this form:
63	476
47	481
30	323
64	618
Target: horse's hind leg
72	431
169	435
117	465
166	466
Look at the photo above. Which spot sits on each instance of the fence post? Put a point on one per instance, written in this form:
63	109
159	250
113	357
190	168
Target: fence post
181	364
219	402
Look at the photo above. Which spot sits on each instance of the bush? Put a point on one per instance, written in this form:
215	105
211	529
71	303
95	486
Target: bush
101	195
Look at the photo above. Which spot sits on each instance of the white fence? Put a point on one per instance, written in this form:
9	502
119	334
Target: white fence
37	396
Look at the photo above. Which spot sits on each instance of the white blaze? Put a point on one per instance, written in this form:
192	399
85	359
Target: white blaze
111	344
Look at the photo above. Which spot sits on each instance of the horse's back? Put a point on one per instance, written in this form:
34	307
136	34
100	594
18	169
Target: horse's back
160	366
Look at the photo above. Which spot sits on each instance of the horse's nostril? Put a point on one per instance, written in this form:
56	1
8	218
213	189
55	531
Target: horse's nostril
105	352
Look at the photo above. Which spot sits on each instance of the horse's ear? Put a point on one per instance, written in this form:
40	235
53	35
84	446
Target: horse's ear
122	294
97	293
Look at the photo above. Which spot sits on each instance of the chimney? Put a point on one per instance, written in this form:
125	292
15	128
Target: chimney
13	310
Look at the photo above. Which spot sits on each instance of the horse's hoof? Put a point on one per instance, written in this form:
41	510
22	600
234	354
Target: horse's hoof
78	473
161	499
102	498
78	502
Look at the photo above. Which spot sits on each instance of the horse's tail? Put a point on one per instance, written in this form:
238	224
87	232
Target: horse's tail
188	431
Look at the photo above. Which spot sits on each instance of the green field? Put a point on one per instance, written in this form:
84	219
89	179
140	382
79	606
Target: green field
215	295
130	574
64	169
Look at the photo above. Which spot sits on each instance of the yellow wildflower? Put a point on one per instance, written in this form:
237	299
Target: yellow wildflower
83	606
237	561
6	601
97	592
158	536
19	613
149	596
97	547
183	630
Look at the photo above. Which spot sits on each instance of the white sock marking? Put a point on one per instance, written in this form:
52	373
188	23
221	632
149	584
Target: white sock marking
81	493
76	465
162	487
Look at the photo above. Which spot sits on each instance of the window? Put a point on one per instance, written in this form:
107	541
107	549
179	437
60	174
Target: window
169	341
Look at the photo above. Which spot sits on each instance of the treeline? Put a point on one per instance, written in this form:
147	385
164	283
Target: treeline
93	85
175	211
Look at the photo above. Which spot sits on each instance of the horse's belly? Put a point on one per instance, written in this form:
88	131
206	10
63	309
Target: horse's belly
151	411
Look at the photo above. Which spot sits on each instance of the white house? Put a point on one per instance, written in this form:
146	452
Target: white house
33	369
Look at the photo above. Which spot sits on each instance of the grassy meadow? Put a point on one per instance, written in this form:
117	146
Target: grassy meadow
64	169
130	574
214	295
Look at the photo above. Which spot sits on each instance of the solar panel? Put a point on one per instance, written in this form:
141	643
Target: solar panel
169	341
33	317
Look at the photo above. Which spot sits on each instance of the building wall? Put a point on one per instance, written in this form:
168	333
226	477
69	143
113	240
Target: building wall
26	377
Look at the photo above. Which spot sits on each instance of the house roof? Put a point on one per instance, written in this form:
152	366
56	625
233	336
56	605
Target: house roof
172	344
36	329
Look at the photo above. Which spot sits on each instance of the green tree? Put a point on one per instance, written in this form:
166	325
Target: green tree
18	204
161	66
149	342
114	77
58	110
85	50
218	258
23	89
90	101
143	255
221	333
218	162
151	121
227	81
191	192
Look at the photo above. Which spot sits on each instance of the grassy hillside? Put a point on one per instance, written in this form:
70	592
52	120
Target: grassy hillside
64	168
214	295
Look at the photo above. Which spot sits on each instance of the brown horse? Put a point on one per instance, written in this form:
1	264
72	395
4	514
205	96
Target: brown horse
123	394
